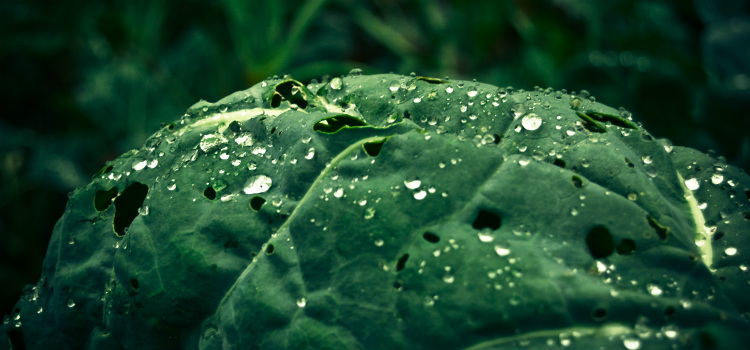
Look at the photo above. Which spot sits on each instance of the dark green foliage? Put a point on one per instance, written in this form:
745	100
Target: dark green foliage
395	212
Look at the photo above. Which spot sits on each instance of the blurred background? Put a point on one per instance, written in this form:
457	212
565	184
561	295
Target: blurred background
83	82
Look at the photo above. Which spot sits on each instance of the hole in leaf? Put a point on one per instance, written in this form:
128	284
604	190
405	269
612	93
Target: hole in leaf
231	243
134	283
209	193
590	124
332	125
486	219
718	235
599	313
276	100
407	115
431	237
257	202
626	247
629	163
234	127
559	162
401	262
397	285
669	311
103	199
269	249
292	92
661	231
577	181
600	242
373	148
497	139
127	205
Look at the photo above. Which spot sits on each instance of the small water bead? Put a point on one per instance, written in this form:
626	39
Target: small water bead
417	100
339	193
71	303
420	195
692	184
301	302
471	93
730	251
631	343
654	289
502	251
336	83
310	153
485	235
531	122
394	86
449	90
379	242
717	179
413	185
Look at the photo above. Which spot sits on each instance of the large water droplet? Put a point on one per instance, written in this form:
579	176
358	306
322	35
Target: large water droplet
211	142
301	302
502	251
730	251
654	289
257	184
531	122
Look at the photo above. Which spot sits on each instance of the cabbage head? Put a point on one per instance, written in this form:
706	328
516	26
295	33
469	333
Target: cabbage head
398	212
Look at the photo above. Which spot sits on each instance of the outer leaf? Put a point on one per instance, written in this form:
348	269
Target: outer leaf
392	212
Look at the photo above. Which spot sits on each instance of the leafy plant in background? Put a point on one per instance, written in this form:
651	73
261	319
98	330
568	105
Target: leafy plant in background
398	212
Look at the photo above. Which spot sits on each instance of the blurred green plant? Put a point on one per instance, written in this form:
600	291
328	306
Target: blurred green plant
85	83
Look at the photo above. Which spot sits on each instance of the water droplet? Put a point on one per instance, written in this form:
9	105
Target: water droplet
632	196
310	153
369	213
523	161
339	193
692	184
449	90
717	179
362	202
394	86
654	289
485	235
39	310
412	185
257	184
531	122
448	278
730	251
471	93
573	212
211	142
379	242
71	303
420	195
646	159
464	108
140	165
301	302
502	251
336	83
631	343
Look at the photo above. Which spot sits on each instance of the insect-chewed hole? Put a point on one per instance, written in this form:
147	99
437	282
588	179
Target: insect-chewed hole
431	237
486	219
